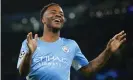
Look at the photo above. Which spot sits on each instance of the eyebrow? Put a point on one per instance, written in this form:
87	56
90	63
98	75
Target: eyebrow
55	11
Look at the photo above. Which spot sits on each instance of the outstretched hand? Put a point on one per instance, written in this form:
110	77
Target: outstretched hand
32	42
116	41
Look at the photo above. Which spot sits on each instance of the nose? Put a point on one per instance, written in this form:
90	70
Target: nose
58	15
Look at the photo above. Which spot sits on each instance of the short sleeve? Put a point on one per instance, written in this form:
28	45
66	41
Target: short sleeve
23	51
79	59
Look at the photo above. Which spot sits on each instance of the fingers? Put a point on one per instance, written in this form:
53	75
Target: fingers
120	35
36	37
123	40
29	36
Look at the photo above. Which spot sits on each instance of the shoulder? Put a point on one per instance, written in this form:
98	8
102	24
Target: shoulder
24	41
70	41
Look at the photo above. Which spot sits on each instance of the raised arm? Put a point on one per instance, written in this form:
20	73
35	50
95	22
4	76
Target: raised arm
100	61
25	61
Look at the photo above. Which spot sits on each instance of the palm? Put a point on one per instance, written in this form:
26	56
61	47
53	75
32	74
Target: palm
115	45
116	41
32	43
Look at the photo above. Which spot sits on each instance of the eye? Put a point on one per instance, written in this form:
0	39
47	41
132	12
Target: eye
61	14
53	12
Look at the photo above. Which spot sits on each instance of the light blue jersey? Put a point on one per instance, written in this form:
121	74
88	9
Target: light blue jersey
53	60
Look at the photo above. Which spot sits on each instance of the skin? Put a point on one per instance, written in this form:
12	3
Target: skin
53	20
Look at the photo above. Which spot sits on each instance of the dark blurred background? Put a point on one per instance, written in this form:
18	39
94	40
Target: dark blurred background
90	22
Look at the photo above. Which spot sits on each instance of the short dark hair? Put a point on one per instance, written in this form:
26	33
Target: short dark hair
45	8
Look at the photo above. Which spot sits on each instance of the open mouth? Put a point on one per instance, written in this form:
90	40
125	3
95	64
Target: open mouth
57	20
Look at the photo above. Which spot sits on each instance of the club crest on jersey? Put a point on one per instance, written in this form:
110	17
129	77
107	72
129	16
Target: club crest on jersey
65	49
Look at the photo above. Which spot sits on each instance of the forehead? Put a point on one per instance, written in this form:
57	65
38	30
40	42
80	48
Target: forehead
54	8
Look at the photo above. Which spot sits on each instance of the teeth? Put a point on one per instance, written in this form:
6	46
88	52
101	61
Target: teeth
58	20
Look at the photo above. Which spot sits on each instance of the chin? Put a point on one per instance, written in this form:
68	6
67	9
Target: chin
56	29
57	26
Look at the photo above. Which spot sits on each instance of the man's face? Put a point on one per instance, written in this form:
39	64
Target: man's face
54	17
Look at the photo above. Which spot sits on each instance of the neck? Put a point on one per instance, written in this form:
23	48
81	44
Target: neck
49	35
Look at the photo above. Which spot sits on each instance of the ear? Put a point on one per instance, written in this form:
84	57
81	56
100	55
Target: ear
43	20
